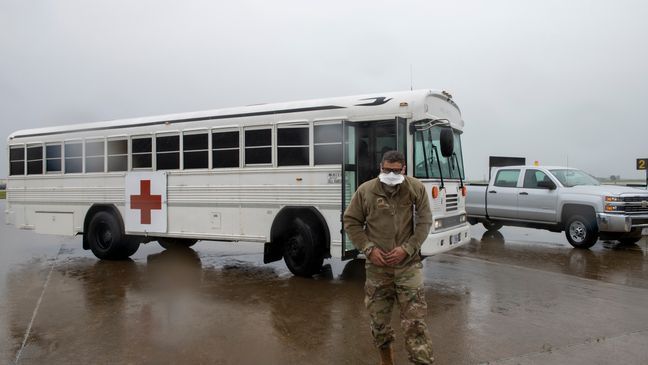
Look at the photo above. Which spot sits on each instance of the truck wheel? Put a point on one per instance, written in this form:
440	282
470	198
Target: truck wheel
492	226
581	232
174	243
106	239
302	251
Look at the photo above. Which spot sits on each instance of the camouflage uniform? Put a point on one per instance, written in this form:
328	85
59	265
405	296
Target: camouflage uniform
380	217
383	287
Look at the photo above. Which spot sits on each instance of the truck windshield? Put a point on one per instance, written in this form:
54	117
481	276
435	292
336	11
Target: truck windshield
430	164
572	177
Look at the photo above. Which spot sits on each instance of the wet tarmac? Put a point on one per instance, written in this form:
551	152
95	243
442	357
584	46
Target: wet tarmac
519	297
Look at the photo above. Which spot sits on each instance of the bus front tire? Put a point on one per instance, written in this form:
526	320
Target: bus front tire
302	250
107	240
175	243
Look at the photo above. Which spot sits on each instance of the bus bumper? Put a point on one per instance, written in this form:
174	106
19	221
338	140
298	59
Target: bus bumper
446	240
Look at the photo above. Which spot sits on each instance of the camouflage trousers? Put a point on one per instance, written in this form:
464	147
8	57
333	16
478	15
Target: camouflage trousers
383	287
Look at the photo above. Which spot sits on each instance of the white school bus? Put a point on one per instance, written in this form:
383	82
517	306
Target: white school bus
277	174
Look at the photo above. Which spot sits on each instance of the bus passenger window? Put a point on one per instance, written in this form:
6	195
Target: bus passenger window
292	146
167	156
328	144
34	160
94	160
258	146
53	158
142	149
17	160
225	149
73	157
118	155
195	147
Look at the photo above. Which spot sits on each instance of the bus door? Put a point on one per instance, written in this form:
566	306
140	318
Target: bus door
364	143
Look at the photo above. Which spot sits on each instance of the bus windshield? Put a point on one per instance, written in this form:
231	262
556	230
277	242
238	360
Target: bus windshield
572	177
428	161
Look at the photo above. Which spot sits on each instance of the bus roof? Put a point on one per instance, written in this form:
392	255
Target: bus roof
350	103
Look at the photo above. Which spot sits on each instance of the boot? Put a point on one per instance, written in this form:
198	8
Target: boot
386	355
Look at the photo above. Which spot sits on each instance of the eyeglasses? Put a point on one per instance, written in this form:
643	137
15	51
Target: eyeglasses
395	171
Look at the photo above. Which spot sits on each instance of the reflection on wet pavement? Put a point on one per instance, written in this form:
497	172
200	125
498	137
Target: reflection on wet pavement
611	262
501	299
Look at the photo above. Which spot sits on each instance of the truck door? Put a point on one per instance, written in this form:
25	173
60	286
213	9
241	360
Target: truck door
534	202
502	194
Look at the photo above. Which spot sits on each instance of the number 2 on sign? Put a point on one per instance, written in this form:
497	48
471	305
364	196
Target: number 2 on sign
642	164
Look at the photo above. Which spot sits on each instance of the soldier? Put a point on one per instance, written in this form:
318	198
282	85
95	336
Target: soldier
388	219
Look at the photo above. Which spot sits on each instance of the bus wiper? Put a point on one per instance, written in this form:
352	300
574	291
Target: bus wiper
456	160
434	148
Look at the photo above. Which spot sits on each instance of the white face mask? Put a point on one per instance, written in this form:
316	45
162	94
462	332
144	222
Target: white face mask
391	179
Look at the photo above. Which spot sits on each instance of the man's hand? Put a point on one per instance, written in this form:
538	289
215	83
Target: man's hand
377	257
395	256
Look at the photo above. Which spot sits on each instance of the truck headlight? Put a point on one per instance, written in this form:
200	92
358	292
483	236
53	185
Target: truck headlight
611	208
612	199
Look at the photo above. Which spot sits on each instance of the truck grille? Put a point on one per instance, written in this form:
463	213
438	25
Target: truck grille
452	202
635	204
635	209
635	199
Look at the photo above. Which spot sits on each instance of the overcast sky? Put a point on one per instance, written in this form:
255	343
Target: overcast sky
561	82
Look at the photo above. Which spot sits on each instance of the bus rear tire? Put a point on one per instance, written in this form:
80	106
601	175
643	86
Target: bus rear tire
107	240
175	243
302	250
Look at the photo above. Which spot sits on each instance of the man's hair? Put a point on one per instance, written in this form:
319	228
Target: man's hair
393	156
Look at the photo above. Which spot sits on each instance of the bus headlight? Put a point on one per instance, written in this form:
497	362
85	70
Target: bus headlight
438	224
462	218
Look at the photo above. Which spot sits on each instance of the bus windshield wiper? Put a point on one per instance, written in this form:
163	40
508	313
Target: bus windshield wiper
456	161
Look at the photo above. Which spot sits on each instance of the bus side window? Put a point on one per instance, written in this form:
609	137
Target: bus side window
328	144
73	157
195	150
34	159
292	146
17	160
118	155
94	156
258	146
53	158
225	149
141	152
167	152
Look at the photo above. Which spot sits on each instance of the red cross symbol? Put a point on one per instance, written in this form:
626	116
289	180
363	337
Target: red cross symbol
146	202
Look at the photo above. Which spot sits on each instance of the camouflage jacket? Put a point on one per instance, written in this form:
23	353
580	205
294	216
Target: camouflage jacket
375	218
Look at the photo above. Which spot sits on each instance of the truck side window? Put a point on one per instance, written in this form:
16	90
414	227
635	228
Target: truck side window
533	177
507	178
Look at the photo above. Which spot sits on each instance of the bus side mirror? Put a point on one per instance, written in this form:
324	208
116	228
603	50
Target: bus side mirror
446	138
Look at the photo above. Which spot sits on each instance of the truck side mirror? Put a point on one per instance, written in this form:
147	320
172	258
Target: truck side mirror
446	138
547	184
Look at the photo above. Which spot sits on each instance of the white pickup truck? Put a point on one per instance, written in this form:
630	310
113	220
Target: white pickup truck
559	199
